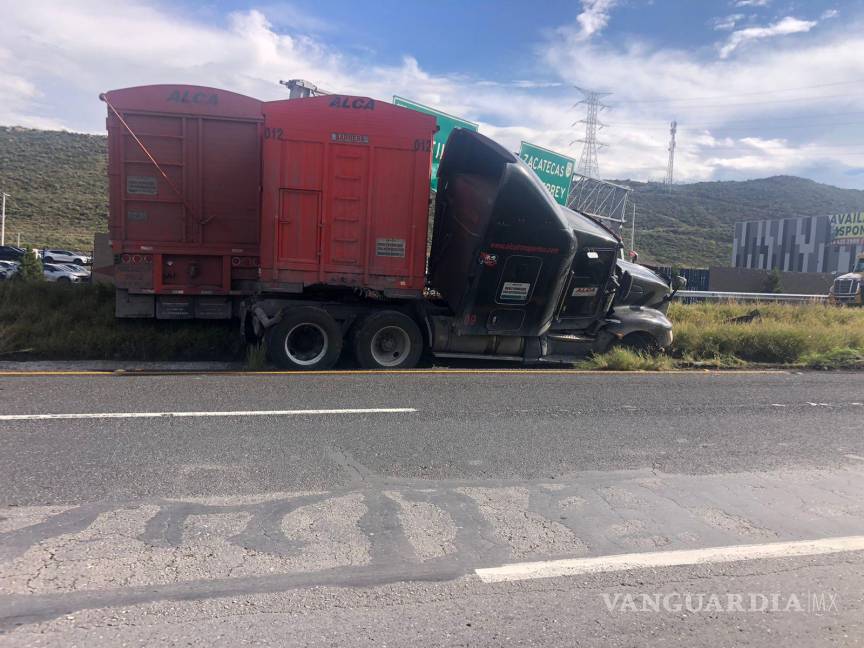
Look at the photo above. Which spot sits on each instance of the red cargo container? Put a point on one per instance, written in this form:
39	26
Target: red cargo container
184	180
345	194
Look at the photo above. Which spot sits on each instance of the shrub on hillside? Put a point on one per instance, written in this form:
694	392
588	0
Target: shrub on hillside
31	267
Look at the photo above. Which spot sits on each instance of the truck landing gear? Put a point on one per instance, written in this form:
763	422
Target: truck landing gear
306	339
387	340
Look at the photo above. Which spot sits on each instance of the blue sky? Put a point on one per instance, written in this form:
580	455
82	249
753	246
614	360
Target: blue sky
758	87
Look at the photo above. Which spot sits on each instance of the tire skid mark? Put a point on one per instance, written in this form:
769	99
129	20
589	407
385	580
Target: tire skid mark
75	520
355	535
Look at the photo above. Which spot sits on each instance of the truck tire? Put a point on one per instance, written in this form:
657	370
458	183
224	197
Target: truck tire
306	339
387	340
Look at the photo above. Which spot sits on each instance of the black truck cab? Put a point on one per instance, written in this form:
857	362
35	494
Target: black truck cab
520	273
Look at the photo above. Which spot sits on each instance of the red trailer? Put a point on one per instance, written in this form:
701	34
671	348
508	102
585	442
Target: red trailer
184	168
345	195
344	201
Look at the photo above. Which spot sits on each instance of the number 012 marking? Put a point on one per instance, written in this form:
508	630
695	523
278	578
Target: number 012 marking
275	133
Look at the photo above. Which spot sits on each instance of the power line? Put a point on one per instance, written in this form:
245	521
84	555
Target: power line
749	121
754	126
743	94
767	101
802	148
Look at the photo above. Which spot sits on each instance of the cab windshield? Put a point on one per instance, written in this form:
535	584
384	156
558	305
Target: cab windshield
859	266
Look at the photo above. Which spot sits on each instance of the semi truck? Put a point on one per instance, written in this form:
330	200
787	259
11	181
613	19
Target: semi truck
847	288
308	221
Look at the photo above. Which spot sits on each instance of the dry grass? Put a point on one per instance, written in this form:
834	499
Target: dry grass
49	321
43	320
621	359
781	334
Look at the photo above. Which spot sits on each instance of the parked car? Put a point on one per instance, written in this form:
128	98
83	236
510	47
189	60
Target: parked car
81	271
8	269
10	253
56	272
65	256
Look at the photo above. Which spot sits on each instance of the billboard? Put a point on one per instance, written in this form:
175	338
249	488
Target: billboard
446	123
847	229
553	169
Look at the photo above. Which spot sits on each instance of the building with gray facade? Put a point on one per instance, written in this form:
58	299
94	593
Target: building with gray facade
802	244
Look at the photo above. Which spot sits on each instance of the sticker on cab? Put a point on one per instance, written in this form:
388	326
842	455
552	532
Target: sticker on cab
515	291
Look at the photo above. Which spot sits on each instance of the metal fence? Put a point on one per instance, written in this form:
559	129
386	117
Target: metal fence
692	296
697	278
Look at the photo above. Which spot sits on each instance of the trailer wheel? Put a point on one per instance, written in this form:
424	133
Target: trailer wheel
306	338
387	340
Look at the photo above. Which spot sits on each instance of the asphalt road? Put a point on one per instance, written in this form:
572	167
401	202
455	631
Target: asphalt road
370	508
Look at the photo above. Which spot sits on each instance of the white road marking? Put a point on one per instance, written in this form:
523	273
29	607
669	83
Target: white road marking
621	562
854	456
122	415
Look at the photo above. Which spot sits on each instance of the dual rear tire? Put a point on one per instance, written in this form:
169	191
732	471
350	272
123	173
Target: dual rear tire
310	339
387	340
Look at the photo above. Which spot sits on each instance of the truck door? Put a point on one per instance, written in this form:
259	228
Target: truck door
587	289
345	217
298	240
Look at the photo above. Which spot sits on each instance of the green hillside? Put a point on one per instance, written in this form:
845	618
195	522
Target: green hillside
57	184
694	224
59	198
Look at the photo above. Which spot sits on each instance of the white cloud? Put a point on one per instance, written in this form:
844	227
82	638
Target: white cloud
752	3
655	84
828	14
783	27
594	17
727	23
66	54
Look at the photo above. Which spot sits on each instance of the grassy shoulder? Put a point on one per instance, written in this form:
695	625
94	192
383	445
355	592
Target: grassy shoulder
47	321
741	336
818	336
60	322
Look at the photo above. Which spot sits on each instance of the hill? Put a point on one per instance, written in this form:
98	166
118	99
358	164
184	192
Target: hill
57	185
59	198
693	225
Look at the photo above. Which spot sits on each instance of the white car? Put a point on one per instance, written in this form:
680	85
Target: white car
77	269
8	269
64	256
55	272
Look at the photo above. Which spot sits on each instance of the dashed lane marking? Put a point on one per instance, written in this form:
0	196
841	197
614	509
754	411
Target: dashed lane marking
621	562
123	415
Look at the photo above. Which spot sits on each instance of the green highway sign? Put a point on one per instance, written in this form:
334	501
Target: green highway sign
553	169
446	123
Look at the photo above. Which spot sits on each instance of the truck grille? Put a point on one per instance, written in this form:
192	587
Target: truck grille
845	286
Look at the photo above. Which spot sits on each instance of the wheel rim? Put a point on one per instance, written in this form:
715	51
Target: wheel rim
390	346
306	344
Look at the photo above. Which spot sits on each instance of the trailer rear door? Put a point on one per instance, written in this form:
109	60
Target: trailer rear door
184	186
